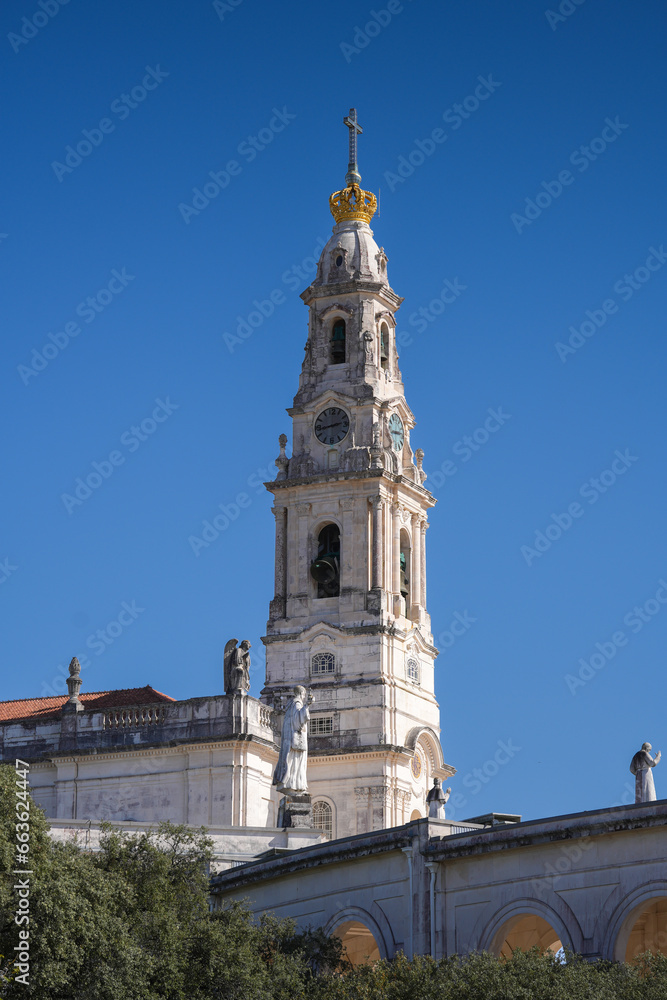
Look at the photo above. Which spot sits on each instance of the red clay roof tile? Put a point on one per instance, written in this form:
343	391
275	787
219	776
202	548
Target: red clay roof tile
42	708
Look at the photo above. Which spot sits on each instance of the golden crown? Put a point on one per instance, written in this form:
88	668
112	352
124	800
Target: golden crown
353	203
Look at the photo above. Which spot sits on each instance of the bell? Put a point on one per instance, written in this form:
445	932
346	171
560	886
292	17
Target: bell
325	569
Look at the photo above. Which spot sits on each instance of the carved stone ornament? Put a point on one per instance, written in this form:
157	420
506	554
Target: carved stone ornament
74	686
282	461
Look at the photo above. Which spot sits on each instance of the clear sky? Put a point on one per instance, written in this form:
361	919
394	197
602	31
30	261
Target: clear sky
539	198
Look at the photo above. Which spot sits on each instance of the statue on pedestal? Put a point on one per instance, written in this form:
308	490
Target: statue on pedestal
436	800
640	766
290	773
237	667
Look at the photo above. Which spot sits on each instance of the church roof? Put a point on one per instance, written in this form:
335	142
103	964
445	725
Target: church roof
42	708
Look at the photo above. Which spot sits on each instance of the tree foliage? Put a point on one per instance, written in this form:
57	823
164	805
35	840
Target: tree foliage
131	922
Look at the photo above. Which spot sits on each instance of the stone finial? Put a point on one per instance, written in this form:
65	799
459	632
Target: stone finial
282	461
419	455
74	686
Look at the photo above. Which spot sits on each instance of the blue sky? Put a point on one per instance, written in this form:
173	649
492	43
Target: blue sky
541	202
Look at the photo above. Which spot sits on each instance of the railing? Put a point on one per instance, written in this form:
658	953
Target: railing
139	717
265	716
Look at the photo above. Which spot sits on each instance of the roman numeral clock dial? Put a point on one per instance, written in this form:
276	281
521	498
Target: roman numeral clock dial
332	425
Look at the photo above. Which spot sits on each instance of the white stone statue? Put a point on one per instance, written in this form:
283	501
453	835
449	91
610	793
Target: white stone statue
290	773
436	800
640	766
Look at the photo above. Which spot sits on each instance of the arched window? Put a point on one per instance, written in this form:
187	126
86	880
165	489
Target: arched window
325	569
323	663
323	818
412	668
404	569
338	342
384	347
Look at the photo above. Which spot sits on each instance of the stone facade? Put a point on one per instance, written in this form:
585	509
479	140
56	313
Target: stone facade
593	882
138	757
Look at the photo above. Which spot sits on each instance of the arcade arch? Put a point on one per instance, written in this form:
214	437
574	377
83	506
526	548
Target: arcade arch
644	929
526	931
360	946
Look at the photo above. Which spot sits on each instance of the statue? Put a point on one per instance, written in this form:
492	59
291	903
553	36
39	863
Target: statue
237	667
290	773
436	800
640	766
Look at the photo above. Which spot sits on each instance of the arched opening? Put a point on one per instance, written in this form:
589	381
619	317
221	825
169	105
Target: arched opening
649	929
415	814
338	342
325	568
384	347
526	931
323	818
360	946
404	572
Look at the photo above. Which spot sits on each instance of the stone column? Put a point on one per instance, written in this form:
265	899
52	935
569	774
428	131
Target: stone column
362	797
415	582
347	545
376	574
277	606
396	549
303	562
424	527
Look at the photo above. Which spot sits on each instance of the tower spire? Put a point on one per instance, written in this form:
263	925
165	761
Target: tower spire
352	204
353	176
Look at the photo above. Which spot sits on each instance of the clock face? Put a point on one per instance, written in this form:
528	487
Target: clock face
396	431
332	425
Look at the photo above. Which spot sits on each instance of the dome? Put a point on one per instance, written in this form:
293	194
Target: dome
352	254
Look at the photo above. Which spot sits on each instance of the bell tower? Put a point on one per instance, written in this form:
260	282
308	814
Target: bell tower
349	616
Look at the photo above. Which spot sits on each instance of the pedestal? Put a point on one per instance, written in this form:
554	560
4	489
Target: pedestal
296	811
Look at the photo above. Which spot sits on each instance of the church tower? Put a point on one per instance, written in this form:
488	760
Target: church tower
349	617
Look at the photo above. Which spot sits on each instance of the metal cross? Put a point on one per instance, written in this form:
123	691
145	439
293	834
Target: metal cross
353	176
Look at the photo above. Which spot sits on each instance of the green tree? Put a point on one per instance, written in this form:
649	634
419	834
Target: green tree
131	922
